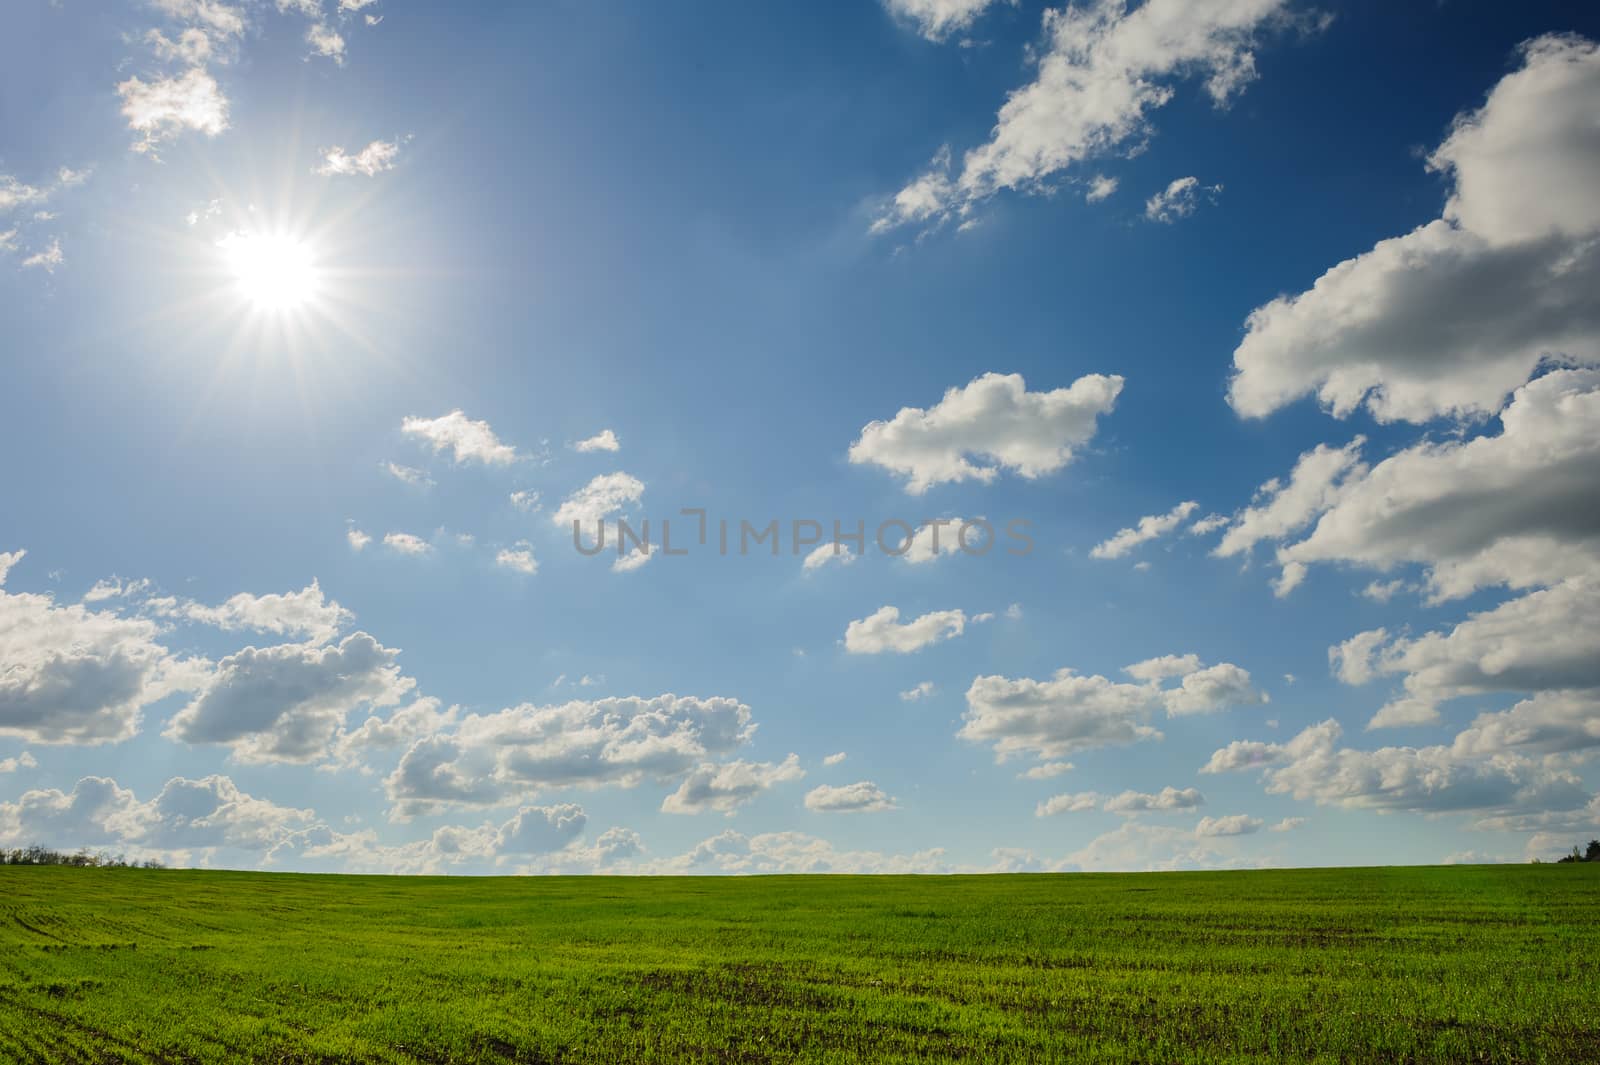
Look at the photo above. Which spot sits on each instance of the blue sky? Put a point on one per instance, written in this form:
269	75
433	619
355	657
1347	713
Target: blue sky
309	307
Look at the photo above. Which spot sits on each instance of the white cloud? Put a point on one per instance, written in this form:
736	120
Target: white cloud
192	46
1548	640
408	475
1231	825
1138	846
164	107
1514	508
923	690
635	558
883	631
1101	71
327	41
1071	712
287	703
1383	591
1410	779
305	613
1178	200
1100	188
1211	688
1553	722
400	728
185	816
1451	317
1319	477
75	675
1054	718
823	554
606	494
370	161
793	852
406	544
605	440
25	760
491	759
467	440
1165	800
14	194
938	19
730	785
994	418
1165	667
1149	528
936	538
1046	771
518	557
48	259
861	797
526	501
357	539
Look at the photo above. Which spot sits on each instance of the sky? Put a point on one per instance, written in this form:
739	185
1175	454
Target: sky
1094	437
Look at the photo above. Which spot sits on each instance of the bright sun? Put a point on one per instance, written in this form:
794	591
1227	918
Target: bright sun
273	272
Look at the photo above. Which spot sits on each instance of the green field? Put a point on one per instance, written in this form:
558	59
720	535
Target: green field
1464	964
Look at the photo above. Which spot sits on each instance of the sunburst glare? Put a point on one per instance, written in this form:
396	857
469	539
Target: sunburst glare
274	271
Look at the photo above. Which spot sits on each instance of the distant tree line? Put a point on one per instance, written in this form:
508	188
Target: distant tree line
1590	854
82	859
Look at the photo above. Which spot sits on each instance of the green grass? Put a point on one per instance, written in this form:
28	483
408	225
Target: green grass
1467	964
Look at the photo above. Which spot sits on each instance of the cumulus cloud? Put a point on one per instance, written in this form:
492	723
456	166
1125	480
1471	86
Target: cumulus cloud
992	423
794	852
1149	528
1168	798
1514	508
861	797
1139	846
518	557
923	689
370	161
823	554
186	815
730	785
1280	509
164	107
402	543
286	703
1101	71
1071	712
1046	771
834	759
465	439
883	631
1410	779
1178	200
605	440
603	496
1231	825
305	613
1451	317
76	675
25	760
357	539
492	759
1548	640
1128	803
